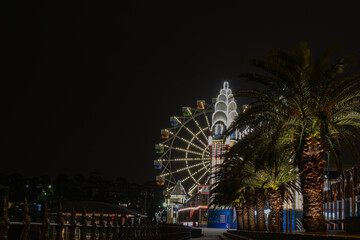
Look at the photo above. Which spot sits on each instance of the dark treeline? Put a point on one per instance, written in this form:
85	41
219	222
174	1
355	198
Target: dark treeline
144	198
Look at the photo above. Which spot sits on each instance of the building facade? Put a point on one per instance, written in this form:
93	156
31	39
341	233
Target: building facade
225	112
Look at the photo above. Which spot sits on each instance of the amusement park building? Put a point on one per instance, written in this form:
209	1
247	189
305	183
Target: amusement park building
196	211
224	114
190	207
199	154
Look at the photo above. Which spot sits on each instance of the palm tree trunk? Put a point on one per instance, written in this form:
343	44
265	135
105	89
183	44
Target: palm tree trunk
251	209
312	185
260	206
245	216
239	216
276	201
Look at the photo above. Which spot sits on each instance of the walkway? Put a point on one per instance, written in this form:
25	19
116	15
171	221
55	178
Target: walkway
330	235
210	234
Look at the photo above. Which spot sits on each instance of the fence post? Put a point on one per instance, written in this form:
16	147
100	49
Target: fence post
93	227
60	224
122	228
4	222
26	222
142	229
115	232
146	230
135	230
45	225
72	225
83	225
131	230
102	226
126	230
109	228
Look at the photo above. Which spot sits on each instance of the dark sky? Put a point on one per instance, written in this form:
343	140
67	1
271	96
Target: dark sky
89	86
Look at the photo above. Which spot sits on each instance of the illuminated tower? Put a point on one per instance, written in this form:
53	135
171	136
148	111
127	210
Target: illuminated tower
224	114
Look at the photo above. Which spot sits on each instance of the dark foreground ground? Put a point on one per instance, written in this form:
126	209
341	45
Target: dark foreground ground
214	233
210	233
331	235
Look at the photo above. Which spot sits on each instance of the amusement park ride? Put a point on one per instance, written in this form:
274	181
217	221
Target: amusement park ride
192	148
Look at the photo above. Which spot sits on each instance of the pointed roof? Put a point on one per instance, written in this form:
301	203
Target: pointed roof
225	107
178	189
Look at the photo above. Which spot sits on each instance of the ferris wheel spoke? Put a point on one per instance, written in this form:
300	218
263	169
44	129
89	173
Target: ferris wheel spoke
191	175
186	159
207	121
191	143
192	187
166	168
207	180
194	135
171	181
181	170
207	151
188	151
169	188
202	137
204	151
199	179
197	124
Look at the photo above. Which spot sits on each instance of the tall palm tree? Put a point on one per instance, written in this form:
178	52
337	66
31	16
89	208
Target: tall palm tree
260	207
309	104
228	190
280	180
253	187
239	207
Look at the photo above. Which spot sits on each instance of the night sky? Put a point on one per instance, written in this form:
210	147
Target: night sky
89	86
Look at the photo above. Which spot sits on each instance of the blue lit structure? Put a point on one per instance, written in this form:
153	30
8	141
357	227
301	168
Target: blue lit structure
222	218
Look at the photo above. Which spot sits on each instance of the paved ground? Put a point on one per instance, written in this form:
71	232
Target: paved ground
213	233
333	233
210	234
295	235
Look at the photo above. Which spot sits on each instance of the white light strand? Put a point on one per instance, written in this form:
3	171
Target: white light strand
189	151
195	135
191	143
207	122
181	169
186	159
192	174
197	124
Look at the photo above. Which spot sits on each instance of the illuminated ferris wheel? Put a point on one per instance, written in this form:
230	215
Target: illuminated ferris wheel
184	153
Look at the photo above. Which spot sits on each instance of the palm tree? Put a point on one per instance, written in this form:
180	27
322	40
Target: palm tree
260	207
255	194
228	190
310	105
238	204
280	179
244	183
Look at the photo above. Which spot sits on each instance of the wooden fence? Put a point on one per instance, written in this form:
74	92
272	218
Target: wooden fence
75	228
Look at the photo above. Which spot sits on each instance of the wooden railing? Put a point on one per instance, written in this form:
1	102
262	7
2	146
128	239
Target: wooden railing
98	228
